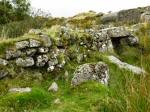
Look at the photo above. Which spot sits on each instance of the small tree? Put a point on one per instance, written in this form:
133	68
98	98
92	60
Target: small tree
6	11
21	8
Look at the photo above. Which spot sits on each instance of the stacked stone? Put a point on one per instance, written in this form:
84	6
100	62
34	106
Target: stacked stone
31	52
101	41
106	39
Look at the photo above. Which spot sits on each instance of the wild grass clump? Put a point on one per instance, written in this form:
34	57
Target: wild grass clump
16	102
19	28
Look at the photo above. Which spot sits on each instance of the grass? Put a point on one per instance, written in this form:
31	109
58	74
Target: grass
126	92
25	101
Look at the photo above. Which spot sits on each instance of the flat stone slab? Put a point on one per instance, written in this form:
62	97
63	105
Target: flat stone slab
123	65
20	90
22	44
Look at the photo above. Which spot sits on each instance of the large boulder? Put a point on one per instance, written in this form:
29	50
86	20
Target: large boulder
22	44
26	62
115	32
98	72
130	16
119	36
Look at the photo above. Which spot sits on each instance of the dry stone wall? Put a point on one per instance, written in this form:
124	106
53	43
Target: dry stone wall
47	53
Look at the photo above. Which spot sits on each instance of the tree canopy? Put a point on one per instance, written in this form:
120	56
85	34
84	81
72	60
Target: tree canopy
13	10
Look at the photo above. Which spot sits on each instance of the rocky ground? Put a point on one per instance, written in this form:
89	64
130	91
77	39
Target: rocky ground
74	69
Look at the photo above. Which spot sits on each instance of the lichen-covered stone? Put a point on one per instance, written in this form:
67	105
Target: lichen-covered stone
47	41
102	41
53	62
130	15
133	40
22	44
98	72
43	50
31	52
34	43
50	68
53	87
41	60
26	62
12	54
3	62
115	32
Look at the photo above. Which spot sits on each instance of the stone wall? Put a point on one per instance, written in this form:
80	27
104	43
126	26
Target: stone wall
45	52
